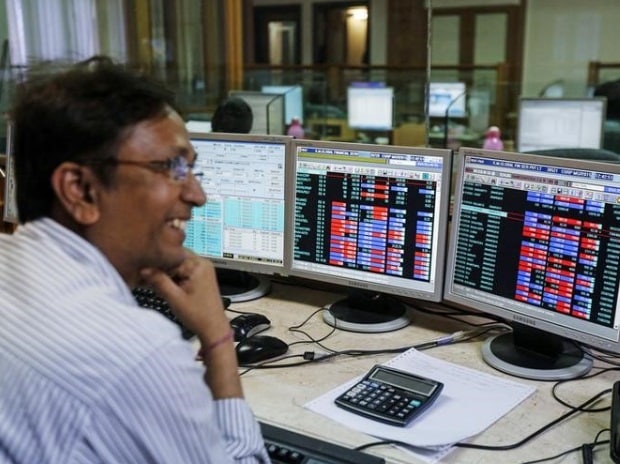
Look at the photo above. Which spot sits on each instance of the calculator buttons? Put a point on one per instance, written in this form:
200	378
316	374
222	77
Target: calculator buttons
382	399
388	403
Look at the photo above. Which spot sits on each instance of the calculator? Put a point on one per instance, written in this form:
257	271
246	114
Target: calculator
390	395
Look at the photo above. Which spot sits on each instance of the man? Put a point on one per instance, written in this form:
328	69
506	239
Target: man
611	128
233	115
105	187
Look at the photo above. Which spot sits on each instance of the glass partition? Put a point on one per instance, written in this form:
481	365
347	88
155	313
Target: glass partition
501	51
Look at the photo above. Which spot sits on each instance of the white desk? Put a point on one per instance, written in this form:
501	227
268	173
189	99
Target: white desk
277	396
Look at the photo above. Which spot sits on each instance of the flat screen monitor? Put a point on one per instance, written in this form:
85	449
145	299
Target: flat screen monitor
370	107
267	111
372	218
447	99
547	123
242	226
198	126
535	241
293	100
10	186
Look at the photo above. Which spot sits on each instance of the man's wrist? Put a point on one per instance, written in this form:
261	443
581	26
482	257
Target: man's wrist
206	349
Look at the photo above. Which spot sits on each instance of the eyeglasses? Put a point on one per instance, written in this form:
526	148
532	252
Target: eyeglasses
177	168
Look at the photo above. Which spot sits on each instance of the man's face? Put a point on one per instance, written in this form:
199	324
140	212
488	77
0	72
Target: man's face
143	214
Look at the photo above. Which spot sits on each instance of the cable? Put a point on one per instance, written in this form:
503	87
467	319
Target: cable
458	336
590	446
296	328
604	356
450	312
587	448
236	311
463	335
580	408
381	443
587	453
265	364
314	356
568	405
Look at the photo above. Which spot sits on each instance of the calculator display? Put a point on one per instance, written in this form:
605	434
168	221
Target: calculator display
403	381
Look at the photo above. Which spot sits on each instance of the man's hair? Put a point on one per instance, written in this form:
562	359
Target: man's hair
233	115
78	114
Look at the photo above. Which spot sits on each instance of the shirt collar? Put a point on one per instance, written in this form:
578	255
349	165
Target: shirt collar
77	248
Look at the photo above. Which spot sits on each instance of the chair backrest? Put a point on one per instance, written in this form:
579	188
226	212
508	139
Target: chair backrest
611	135
410	134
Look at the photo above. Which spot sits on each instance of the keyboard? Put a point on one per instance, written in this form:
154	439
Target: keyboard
287	447
147	298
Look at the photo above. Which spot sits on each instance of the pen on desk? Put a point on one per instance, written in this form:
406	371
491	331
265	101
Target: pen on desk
461	335
437	342
445	340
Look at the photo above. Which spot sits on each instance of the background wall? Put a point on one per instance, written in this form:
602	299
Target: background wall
562	36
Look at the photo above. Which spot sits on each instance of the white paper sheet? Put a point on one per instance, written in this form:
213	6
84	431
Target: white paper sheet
470	402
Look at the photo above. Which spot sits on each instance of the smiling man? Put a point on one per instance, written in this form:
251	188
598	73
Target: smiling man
105	185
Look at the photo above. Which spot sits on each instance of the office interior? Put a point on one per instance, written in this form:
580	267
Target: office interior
501	50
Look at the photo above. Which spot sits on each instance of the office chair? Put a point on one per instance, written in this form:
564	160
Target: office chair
593	154
554	89
611	135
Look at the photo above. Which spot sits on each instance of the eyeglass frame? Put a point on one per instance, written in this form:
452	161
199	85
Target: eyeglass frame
178	168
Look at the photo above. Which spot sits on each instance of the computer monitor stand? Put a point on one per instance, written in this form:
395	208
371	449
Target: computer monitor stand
370	312
242	286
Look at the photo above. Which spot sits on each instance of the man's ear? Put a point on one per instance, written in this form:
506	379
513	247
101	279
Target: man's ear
76	191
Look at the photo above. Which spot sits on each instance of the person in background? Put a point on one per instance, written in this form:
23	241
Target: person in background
611	128
611	91
232	115
295	129
492	139
106	185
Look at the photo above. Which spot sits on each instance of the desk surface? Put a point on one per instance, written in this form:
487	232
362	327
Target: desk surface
277	395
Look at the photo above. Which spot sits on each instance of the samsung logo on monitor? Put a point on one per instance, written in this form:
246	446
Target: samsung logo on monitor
355	283
524	320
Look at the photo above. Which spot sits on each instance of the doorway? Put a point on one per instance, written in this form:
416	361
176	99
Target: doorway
277	38
341	33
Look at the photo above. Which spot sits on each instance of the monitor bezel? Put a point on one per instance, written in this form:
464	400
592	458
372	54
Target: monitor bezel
291	93
254	267
390	288
9	209
558	100
496	306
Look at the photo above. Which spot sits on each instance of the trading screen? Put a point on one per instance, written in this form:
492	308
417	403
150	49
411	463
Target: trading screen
371	215
543	236
243	219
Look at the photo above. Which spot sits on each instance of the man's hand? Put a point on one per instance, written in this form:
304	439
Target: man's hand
193	294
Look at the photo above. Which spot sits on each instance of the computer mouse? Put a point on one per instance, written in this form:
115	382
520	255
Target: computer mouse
248	324
259	348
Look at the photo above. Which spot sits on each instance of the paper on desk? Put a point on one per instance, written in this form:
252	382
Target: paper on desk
469	403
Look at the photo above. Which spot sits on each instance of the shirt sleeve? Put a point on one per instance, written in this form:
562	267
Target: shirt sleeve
162	411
